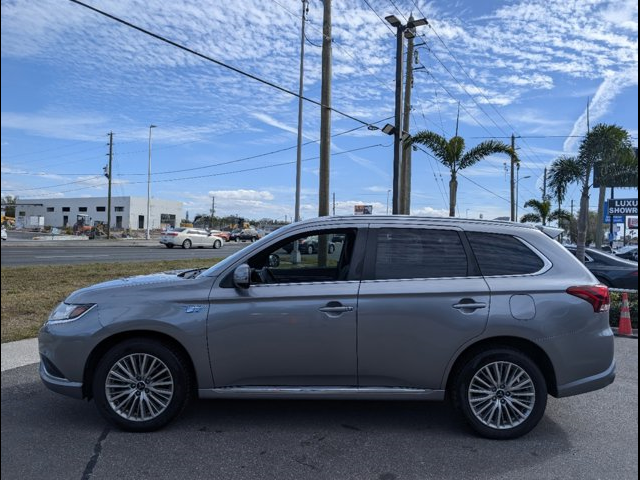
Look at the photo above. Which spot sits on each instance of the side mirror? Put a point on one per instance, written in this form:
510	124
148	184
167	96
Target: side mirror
242	276
274	260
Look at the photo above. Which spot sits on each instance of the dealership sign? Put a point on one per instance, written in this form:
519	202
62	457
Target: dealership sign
622	206
363	209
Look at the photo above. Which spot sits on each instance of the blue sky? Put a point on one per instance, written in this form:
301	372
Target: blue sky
70	76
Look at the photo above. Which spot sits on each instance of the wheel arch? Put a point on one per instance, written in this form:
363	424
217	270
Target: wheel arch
103	347
537	355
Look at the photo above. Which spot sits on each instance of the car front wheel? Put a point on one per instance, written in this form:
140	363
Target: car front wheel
501	393
140	385
217	244
186	244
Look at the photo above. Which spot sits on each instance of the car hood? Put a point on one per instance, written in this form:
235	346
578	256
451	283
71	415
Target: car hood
111	288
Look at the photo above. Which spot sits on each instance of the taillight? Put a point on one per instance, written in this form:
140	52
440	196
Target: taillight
596	295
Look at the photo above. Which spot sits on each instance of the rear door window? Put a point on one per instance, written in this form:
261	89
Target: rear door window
405	253
499	254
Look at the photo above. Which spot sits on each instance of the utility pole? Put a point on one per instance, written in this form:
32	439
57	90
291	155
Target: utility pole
397	133
109	189
334	204
405	175
213	211
401	31
544	185
325	115
325	129
513	180
305	9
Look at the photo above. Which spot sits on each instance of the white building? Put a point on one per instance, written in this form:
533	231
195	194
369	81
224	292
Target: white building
128	213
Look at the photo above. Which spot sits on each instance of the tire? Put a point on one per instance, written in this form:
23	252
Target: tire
310	249
217	244
168	245
126	360
332	248
186	244
483	384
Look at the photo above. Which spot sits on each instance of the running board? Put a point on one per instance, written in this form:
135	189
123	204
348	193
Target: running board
324	393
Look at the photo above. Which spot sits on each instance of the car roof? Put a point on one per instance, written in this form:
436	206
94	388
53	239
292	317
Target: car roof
409	219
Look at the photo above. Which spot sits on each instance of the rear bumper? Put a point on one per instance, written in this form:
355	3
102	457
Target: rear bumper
588	384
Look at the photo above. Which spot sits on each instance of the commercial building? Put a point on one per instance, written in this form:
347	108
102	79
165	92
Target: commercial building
128	213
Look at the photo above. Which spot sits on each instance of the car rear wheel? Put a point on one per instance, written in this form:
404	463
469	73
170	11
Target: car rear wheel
332	248
186	244
217	244
310	249
501	393
141	385
168	245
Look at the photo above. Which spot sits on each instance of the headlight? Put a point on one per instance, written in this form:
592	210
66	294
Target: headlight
67	313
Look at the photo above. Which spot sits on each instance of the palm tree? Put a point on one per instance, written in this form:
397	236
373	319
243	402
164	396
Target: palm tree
563	171
542	211
451	154
611	148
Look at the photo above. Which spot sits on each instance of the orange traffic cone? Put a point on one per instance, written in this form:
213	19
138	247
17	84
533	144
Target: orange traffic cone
624	325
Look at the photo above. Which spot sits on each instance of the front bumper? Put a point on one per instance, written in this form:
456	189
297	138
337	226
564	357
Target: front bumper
59	385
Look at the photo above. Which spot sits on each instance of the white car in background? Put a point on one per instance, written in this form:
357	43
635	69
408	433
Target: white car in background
4	233
191	238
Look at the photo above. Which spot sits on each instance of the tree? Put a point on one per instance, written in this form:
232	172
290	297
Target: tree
563	171
451	154
610	147
606	144
542	211
9	204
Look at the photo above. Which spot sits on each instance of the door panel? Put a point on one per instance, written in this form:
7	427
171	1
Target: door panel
408	330
276	335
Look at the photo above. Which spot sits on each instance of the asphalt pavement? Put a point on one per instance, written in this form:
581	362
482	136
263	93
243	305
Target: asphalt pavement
49	436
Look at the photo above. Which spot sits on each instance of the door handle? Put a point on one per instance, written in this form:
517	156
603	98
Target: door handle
469	306
340	309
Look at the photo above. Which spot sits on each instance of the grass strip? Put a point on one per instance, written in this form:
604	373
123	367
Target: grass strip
30	293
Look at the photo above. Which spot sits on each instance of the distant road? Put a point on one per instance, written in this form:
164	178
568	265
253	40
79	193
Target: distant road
16	253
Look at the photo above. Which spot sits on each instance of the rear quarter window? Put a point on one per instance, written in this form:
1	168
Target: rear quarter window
499	254
419	253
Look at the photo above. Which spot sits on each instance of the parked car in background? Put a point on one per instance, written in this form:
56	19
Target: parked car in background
190	237
219	233
494	316
246	234
4	233
610	270
309	245
630	252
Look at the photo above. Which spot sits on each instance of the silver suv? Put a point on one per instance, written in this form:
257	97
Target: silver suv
495	314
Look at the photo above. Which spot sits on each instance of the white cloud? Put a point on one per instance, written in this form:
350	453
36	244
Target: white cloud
612	85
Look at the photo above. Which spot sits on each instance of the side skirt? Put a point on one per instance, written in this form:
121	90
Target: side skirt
323	393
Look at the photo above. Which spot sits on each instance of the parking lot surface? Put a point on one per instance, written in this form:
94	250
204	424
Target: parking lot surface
48	436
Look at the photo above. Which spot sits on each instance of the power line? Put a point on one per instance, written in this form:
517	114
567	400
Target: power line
218	62
263	167
50	149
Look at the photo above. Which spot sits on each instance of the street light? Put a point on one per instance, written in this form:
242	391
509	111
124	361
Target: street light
407	30
518	190
148	235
